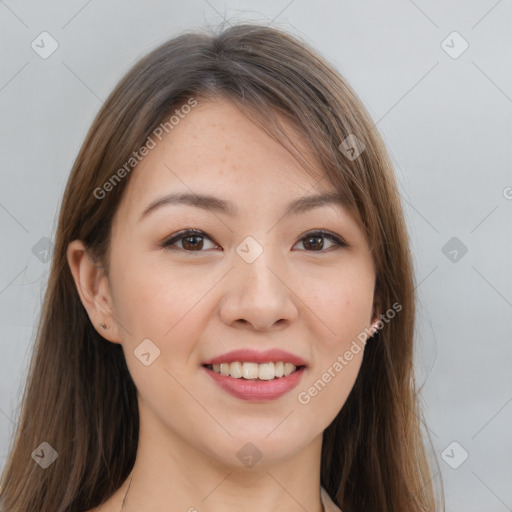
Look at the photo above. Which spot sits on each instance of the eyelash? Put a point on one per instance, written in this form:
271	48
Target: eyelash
168	243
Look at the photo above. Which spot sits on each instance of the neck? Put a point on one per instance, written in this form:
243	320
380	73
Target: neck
183	478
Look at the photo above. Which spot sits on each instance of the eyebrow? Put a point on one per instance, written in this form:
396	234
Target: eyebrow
215	204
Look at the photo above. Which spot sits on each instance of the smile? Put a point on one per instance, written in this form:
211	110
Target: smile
251	387
256	375
252	371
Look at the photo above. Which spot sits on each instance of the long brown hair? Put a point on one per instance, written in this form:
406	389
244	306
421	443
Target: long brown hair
373	456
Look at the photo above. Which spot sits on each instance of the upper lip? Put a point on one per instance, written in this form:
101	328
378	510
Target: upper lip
255	356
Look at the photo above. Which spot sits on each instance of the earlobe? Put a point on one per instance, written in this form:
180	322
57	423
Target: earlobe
93	288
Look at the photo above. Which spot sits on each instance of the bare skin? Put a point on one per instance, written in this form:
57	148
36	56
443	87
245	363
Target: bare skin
202	299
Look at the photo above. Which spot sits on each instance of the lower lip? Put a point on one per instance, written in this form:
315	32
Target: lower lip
256	390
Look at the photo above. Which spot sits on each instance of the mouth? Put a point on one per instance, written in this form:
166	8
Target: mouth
255	382
254	371
253	375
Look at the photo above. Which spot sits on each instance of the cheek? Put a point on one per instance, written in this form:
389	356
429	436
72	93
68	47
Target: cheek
341	304
342	311
164	305
157	300
325	393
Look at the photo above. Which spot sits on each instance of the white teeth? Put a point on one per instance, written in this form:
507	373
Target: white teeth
288	368
250	370
236	370
224	369
265	371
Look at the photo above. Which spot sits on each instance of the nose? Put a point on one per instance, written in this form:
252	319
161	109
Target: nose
259	295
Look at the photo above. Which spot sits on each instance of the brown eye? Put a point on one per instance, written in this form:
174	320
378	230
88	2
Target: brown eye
314	241
192	240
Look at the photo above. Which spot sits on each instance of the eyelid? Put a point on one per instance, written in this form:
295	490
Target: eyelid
337	239
167	243
183	233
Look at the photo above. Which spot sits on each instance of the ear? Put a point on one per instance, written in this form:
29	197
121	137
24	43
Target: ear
94	291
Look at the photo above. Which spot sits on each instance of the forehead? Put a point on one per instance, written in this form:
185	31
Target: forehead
216	149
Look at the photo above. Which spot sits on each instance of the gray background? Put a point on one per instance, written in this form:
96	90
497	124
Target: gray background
447	123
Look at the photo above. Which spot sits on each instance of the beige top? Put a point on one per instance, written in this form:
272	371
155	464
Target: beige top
329	505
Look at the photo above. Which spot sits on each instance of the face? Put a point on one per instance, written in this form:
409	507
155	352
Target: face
220	300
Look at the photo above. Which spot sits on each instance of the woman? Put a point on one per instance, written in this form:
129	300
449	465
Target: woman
229	316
